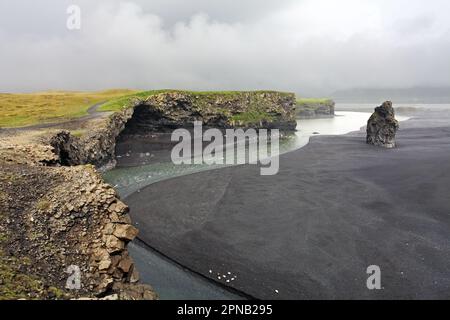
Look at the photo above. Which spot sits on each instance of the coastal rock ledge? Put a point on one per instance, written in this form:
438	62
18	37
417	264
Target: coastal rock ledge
61	226
382	126
171	110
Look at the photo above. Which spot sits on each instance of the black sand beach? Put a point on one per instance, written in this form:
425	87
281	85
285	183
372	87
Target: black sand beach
336	207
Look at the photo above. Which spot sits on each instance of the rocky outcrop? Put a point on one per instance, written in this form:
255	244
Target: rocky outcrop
53	218
96	147
179	109
309	109
382	126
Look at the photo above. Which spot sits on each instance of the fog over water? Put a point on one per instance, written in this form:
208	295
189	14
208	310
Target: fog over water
311	47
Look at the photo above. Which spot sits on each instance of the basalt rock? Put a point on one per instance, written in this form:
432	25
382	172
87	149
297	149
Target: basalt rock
171	110
52	218
382	126
96	147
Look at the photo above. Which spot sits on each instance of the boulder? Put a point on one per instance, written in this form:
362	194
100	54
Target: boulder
104	264
126	232
382	126
113	244
126	264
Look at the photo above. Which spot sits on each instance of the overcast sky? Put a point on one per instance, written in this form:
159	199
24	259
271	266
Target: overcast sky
306	46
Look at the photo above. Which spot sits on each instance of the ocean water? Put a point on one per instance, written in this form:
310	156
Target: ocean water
401	108
170	280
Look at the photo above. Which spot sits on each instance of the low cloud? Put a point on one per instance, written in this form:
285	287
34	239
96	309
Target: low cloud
309	47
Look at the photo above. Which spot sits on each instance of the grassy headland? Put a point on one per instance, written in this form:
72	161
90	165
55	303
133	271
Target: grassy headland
124	101
17	110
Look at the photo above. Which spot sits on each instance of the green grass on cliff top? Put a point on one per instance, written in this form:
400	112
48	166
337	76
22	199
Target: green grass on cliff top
251	117
17	110
124	102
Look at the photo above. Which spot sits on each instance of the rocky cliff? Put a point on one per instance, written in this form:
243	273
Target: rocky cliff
96	146
179	109
164	112
56	212
56	217
313	108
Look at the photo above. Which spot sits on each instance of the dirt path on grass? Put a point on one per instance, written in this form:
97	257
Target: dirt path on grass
92	114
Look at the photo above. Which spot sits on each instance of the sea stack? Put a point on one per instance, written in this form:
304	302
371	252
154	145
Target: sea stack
382	126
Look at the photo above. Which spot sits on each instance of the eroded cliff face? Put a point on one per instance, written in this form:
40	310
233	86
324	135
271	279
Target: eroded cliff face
56	217
96	146
57	213
167	111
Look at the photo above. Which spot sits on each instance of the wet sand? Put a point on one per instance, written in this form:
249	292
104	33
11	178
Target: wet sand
336	207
